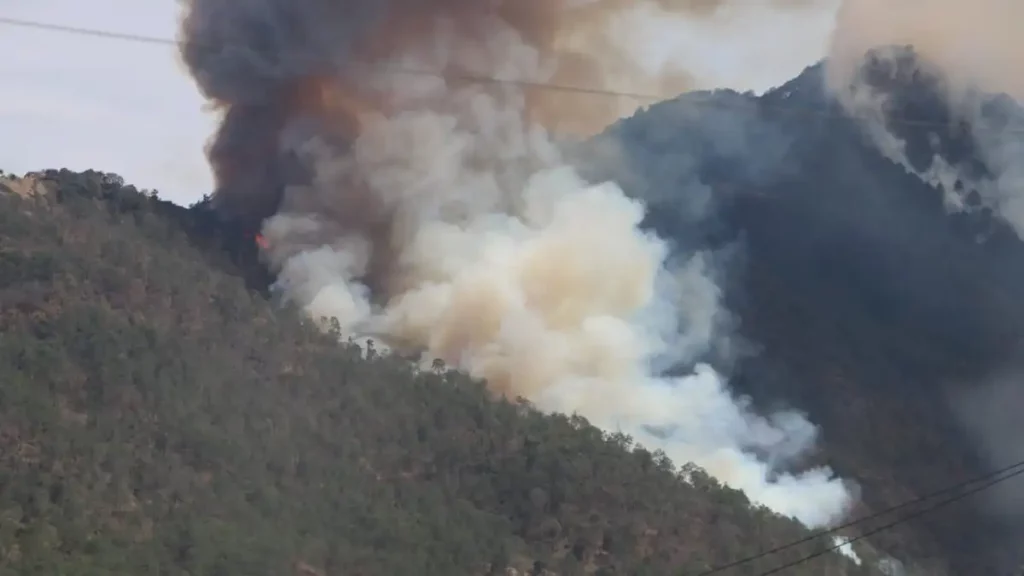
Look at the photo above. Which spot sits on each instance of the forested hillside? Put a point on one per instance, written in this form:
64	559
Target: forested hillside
159	414
159	417
873	305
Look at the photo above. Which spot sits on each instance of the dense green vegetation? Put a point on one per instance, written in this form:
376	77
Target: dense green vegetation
159	417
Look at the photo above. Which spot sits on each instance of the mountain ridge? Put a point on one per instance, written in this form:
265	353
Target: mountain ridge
855	269
865	298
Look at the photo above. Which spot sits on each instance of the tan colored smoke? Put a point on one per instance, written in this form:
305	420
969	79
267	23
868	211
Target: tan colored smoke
589	46
965	51
977	43
264	63
440	218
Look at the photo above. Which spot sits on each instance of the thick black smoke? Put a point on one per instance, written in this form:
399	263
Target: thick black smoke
270	63
249	59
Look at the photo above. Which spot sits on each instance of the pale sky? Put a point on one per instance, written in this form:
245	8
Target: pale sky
78	102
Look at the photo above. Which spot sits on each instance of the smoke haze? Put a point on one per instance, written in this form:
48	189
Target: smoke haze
974	43
990	413
968	52
433	213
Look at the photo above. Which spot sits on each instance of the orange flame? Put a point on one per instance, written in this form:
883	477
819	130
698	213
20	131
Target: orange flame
261	241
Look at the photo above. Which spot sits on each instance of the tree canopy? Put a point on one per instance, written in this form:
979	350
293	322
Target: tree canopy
158	416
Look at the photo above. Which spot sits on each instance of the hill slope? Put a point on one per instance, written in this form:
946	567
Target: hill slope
156	417
873	304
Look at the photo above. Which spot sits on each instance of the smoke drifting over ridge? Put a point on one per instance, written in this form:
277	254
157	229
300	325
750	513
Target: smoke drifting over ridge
435	213
962	82
963	53
264	64
974	43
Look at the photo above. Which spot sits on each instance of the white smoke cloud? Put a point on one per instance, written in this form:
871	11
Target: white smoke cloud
500	260
845	547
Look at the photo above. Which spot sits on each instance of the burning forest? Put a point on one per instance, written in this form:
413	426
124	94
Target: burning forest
430	211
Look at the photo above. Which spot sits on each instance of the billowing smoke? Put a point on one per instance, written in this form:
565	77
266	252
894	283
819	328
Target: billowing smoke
433	212
963	55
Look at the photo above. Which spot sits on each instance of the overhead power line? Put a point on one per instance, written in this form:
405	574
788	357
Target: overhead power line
960	491
50	27
884	527
987	481
129	37
480	79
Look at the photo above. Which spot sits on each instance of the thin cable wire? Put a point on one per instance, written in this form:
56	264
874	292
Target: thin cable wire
131	37
110	35
896	522
639	97
465	77
863	519
17	22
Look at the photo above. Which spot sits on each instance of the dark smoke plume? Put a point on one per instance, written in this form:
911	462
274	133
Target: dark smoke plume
269	63
417	205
